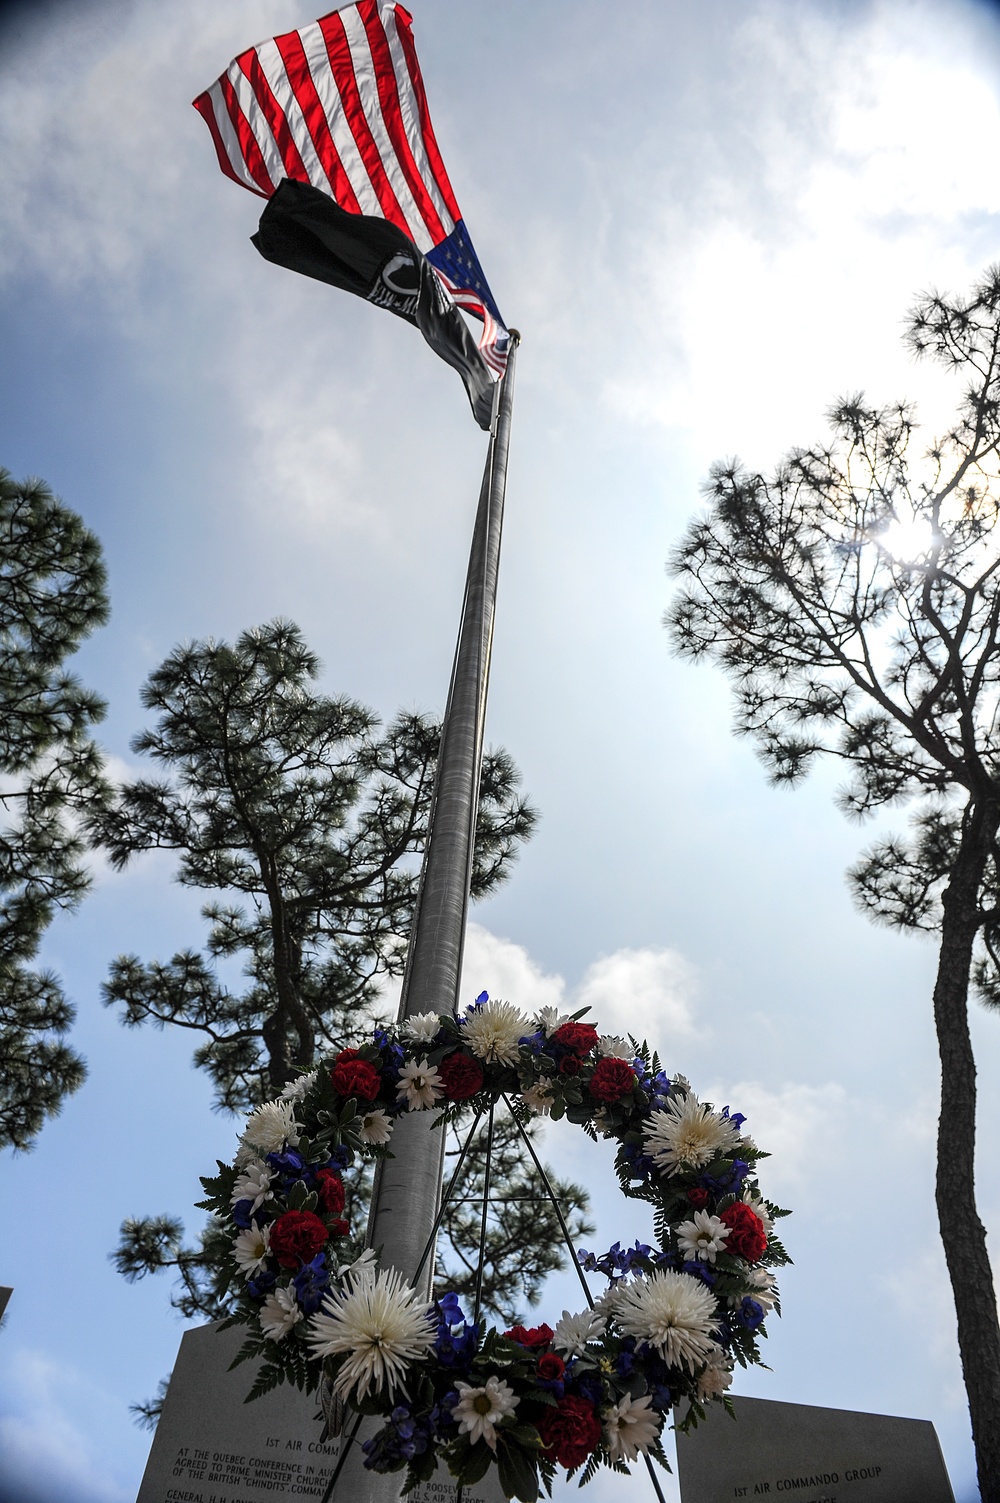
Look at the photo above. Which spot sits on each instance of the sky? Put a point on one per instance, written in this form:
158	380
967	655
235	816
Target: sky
708	222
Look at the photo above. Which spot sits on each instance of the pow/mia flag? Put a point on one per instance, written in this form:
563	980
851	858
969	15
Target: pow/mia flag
304	230
330	123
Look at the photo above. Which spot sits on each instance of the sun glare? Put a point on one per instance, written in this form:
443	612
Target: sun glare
907	541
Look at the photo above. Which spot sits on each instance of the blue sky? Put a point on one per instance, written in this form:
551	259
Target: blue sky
707	223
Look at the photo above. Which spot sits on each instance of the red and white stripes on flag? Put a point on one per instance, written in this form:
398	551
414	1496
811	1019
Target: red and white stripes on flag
340	104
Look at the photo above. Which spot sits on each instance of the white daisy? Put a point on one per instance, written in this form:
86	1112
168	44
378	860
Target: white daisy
717	1376
250	1248
574	1331
271	1126
296	1089
539	1096
630	1428
687	1133
422	1028
548	1019
381	1323
253	1185
479	1409
671	1311
611	1046
376	1127
419	1085
279	1313
493	1032
702	1237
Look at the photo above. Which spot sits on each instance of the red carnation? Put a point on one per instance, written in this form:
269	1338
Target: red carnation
535	1337
612	1080
296	1237
579	1038
461	1075
330	1189
352	1076
698	1198
569	1065
747	1236
572	1430
551	1367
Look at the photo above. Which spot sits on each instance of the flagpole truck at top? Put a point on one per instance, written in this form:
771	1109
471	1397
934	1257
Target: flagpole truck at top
330	125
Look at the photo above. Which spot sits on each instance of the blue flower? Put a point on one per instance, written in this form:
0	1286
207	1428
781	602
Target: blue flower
729	1183
406	1435
311	1283
241	1213
449	1308
534	1041
625	1363
640	1165
661	1398
339	1158
736	1118
699	1270
750	1314
290	1166
589	1387
261	1284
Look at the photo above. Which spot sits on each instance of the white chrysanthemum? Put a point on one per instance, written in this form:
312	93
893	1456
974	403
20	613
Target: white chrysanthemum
250	1248
687	1133
271	1126
279	1313
610	1046
548	1019
376	1127
574	1331
539	1096
296	1089
681	1081
759	1209
381	1323
419	1085
671	1311
762	1286
717	1377
479	1409
630	1428
702	1237
422	1028
254	1184
493	1032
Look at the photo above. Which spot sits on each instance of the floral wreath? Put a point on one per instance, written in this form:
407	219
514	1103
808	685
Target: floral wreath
596	1389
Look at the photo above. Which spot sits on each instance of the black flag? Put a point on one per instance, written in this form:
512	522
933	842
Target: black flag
304	230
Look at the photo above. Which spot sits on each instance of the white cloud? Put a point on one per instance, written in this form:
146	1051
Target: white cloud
506	970
44	1452
803	1127
643	992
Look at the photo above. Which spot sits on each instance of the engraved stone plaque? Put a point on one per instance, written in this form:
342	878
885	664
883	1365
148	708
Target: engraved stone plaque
211	1447
777	1451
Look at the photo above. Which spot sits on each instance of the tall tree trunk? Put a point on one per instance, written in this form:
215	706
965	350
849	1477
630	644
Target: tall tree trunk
962	1232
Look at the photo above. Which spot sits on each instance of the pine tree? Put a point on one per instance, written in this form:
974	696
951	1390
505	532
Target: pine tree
305	819
853	596
52	596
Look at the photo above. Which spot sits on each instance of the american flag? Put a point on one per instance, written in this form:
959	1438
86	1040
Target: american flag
340	104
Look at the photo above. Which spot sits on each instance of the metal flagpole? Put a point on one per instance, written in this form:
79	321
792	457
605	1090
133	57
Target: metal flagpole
407	1188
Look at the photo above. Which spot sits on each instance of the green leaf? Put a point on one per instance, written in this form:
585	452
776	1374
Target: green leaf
517	1470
